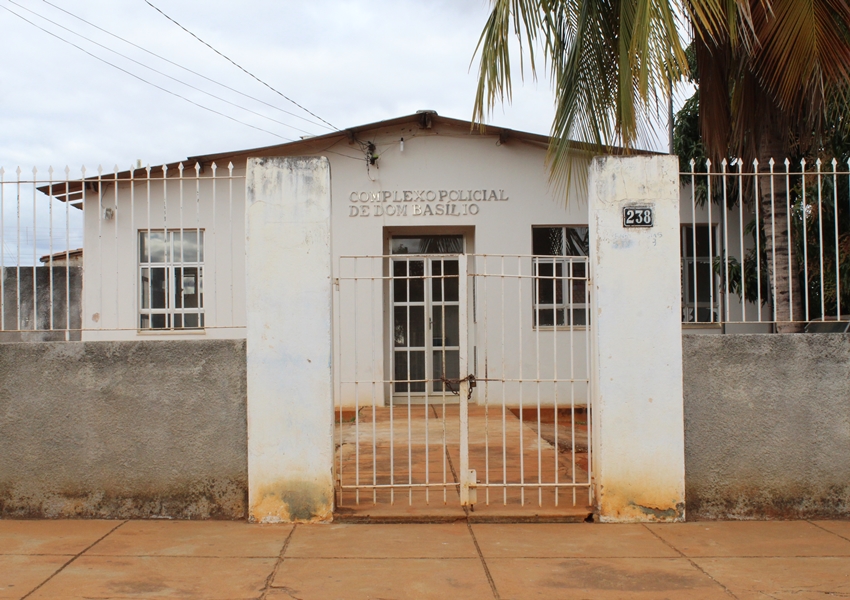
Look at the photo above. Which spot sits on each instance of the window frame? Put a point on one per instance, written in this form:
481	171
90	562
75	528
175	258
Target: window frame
564	307
174	308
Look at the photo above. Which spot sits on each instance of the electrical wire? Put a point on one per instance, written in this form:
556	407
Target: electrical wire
167	91
188	70
124	56
237	65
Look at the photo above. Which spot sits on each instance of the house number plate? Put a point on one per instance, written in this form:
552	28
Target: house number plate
637	216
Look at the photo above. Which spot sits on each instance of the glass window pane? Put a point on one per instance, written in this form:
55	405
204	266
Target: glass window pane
702	241
400	326
417	326
427	244
450	284
189	320
578	269
401	246
155	288
452	337
400	371
400	290
546	317
703	280
452	368
417	281
547	241
417	371
546	291
437	281
186	286
545	267
448	333
579	291
578	316
145	286
577	241
151	248
187	248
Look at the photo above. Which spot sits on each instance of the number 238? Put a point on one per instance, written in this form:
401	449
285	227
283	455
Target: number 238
637	217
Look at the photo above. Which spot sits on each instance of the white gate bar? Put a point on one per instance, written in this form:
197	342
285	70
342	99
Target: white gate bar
756	203
773	237
34	253
837	260
739	163
820	238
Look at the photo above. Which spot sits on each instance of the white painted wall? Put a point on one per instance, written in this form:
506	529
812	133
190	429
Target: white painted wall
638	417
111	286
445	157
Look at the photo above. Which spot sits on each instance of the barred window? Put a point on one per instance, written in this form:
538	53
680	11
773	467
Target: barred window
171	272
700	286
560	276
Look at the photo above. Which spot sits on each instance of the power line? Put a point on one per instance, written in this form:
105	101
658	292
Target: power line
188	70
158	71
231	61
167	91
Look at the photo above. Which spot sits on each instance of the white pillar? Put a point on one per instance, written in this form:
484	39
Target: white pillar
290	401
638	421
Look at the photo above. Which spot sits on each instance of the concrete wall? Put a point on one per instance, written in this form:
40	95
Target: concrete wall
767	426
35	316
290	381
123	429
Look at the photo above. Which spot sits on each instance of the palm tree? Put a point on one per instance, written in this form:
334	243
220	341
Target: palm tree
768	71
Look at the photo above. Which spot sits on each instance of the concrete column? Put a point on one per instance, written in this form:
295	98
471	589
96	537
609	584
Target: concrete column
290	391
638	422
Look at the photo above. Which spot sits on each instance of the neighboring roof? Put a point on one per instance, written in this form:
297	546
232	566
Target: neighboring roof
72	191
65	254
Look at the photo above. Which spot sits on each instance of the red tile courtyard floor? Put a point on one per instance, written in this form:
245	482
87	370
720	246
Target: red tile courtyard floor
797	560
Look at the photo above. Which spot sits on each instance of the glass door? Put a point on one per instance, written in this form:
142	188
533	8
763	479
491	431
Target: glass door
426	316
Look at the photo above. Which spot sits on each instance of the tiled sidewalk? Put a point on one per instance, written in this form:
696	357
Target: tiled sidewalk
797	560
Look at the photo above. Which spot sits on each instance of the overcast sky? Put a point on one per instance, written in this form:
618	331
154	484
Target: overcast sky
348	61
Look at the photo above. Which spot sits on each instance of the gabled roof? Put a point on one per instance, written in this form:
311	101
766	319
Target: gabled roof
424	119
72	191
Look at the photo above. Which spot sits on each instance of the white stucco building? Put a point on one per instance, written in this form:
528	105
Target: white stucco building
428	198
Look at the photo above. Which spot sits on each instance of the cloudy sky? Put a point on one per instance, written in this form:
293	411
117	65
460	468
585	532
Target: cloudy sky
109	82
348	61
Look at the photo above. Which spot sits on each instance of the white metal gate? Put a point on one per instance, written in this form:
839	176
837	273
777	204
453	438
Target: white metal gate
463	380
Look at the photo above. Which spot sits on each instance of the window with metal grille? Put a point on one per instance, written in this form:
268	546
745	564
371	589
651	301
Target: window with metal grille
171	272
700	295
560	276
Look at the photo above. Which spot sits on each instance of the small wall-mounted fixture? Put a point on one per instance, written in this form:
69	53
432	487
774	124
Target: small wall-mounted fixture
108	213
401	145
